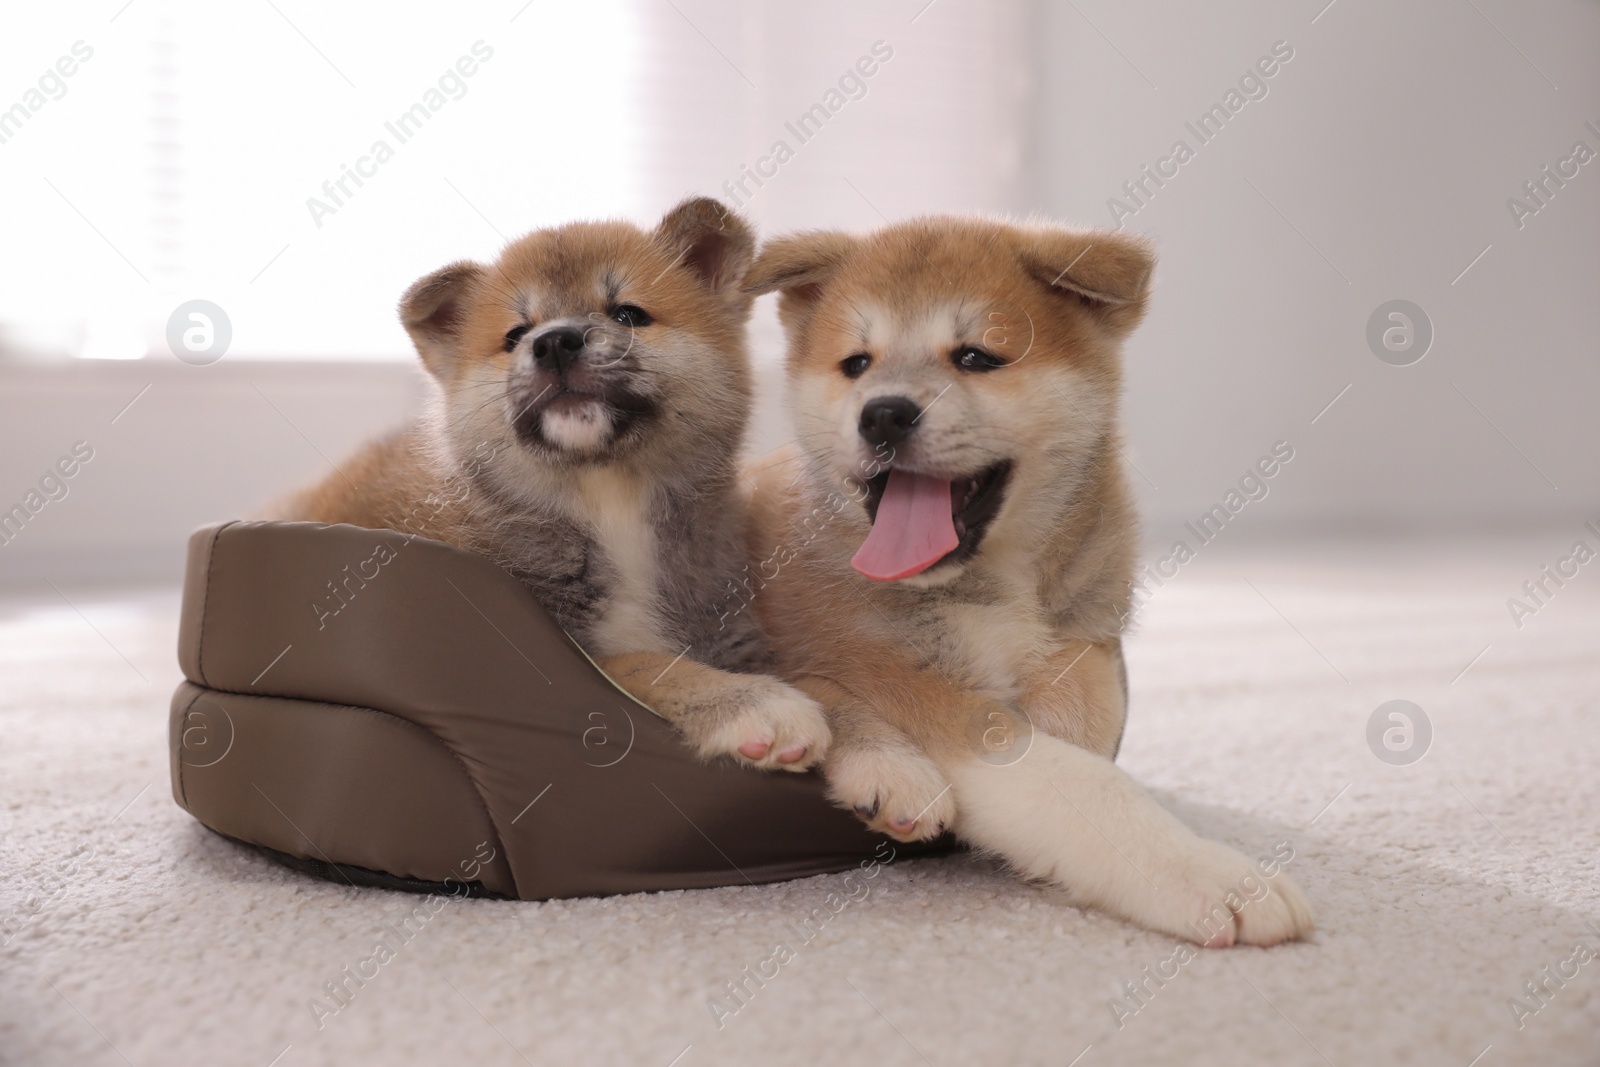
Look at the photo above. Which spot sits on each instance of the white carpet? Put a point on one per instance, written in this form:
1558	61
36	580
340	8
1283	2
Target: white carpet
1440	888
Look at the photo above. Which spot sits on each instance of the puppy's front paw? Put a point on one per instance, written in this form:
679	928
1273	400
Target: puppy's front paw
1218	897
894	789
773	726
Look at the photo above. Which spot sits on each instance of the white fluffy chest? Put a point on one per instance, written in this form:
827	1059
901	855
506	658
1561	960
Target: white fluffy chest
995	646
616	508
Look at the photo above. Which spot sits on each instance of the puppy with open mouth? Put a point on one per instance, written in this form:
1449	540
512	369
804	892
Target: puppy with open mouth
590	394
948	550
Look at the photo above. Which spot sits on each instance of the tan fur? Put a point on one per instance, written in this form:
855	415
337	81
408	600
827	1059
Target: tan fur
1058	577
971	694
606	483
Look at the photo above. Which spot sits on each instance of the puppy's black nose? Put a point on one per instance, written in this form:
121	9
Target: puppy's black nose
558	347
886	420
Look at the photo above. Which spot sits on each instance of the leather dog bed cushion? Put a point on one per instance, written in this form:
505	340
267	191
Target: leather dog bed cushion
388	710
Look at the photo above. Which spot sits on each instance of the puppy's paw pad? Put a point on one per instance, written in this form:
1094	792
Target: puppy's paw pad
777	727
895	790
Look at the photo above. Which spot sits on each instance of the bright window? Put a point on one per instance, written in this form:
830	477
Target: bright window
297	164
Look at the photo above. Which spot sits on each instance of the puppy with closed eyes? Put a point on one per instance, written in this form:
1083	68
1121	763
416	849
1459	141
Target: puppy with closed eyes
590	394
947	557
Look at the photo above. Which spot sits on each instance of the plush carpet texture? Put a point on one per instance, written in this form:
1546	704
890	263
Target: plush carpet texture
1456	894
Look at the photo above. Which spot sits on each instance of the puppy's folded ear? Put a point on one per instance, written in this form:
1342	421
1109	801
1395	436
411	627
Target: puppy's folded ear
434	310
715	244
1107	271
799	265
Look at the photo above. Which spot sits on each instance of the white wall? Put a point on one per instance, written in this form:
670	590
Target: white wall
1390	142
196	445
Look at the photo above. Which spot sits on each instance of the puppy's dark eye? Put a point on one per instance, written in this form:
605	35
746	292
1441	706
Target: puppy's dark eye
855	366
514	335
631	315
976	359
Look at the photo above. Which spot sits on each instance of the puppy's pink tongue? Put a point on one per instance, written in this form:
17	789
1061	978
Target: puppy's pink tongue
913	529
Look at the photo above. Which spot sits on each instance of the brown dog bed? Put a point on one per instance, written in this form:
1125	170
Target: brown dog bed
388	710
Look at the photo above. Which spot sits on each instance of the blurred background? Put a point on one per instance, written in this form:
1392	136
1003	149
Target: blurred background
295	166
1379	236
